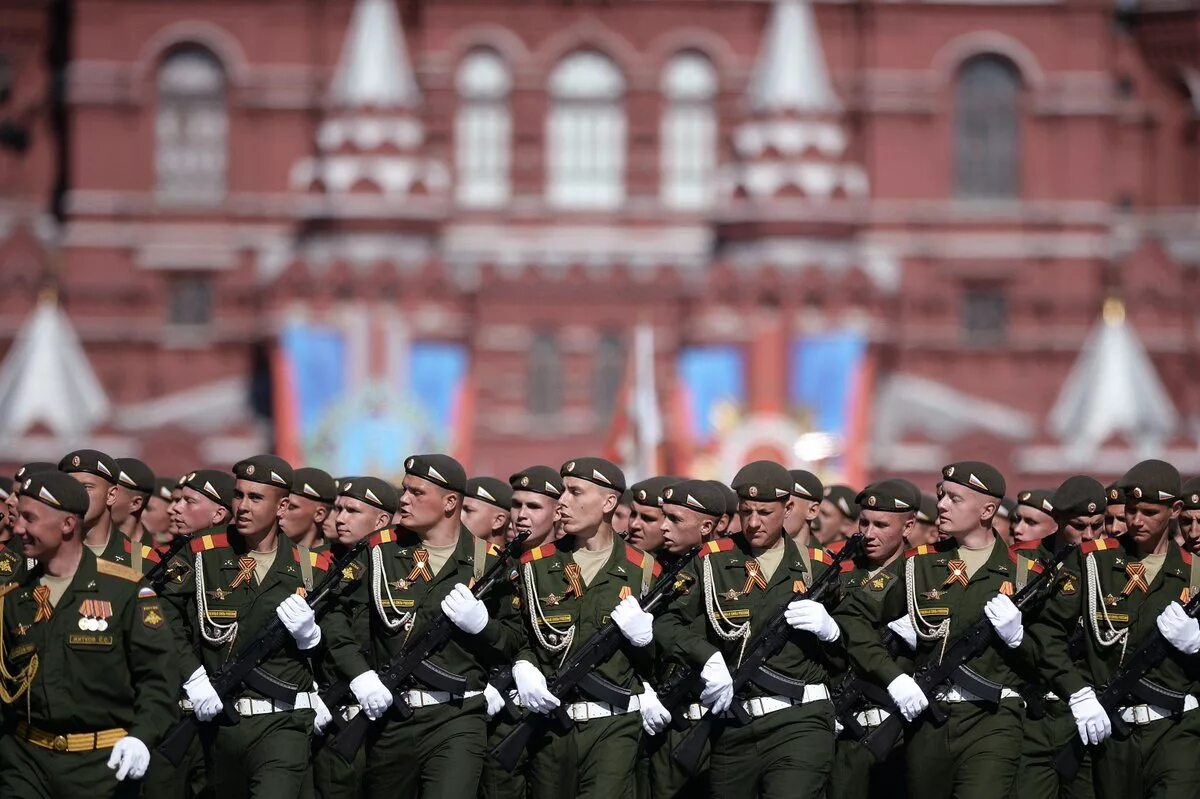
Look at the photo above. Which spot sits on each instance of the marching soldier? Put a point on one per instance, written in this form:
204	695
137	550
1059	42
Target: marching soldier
924	531
305	513
787	747
1002	524
888	514
7	518
645	518
83	670
807	493
12	559
156	518
1123	589
1189	518
1033	519
485	509
623	513
1114	511
243	577
569	591
838	515
727	524
418	571
135	484
97	473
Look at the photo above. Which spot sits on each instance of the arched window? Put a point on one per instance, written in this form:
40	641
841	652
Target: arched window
543	395
192	127
586	133
483	130
986	129
689	132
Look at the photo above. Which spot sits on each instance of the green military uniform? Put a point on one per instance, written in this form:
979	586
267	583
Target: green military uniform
13	564
976	752
1108	585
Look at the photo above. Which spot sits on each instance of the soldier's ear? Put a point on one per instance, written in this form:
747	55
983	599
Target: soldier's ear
452	503
813	509
382	520
1176	508
789	507
611	500
110	497
321	513
137	503
220	515
706	527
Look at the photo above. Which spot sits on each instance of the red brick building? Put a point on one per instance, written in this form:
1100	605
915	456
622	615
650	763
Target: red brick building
959	185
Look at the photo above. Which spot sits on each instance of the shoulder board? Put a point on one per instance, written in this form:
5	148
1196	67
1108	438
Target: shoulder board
713	547
835	547
493	550
8	588
1035	566
1025	546
318	560
1012	554
820	555
638	558
381	538
148	553
1187	557
117	570
544	551
1099	545
924	549
207	542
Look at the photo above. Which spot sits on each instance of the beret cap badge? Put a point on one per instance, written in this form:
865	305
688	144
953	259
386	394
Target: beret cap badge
753	491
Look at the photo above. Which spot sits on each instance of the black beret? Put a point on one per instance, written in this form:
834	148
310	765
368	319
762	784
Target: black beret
703	496
217	486
371	490
33	467
1114	494
976	475
58	490
90	461
1191	494
316	484
731	497
1078	496
1152	481
893	496
438	469
539	480
650	491
6	486
806	485
763	481
843	497
132	473
596	470
269	470
490	490
165	486
1006	508
928	512
1038	498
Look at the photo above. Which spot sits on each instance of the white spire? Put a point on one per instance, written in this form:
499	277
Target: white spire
46	378
1113	388
791	74
374	70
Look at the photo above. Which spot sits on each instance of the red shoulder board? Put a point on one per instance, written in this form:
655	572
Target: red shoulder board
713	547
1187	557
638	559
148	553
924	549
820	555
1025	546
318	560
1012	554
382	537
206	542
1099	545
544	551
835	547
1035	566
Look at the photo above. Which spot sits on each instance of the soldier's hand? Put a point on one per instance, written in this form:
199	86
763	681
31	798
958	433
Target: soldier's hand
206	704
1180	629
300	621
655	717
903	628
495	702
532	689
323	715
372	695
908	696
635	624
468	613
130	758
811	617
1091	720
717	693
1006	619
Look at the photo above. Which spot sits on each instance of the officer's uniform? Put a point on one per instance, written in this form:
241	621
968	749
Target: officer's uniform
79	675
1109	586
787	748
439	751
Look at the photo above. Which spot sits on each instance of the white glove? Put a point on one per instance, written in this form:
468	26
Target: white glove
908	696
635	624
1093	723
372	695
300	621
206	705
323	715
531	687
495	702
811	617
655	717
1006	619
903	628
717	693
1180	629
468	613
129	757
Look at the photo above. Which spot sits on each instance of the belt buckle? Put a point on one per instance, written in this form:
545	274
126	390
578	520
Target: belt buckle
59	744
1141	714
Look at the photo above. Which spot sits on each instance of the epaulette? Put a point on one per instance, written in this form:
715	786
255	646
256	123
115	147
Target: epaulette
544	551
148	553
1187	557
493	550
820	555
1025	546
205	543
638	558
1034	565
1099	545
117	570
924	549
713	547
384	536
318	560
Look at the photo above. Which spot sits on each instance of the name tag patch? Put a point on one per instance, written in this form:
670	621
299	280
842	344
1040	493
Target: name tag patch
89	639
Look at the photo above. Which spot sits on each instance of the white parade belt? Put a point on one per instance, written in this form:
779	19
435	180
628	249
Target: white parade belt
1147	714
762	705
